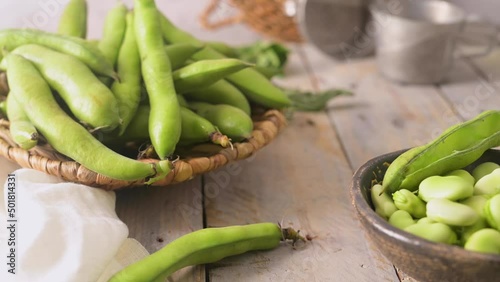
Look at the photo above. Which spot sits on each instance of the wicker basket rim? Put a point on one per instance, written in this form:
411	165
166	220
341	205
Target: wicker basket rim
266	128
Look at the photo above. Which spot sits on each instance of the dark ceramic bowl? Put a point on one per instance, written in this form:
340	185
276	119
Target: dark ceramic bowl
423	260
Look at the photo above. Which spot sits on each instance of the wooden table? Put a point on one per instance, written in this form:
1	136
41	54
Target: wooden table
302	178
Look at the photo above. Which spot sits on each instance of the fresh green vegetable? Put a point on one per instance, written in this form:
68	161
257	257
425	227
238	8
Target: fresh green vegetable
67	136
22	130
115	26
488	184
230	120
436	232
73	20
165	115
221	92
205	246
89	100
484	169
457	147
464	174
445	187
486	240
401	219
253	84
407	201
201	74
451	213
467	231
492	211
179	53
477	203
81	49
384	206
128	90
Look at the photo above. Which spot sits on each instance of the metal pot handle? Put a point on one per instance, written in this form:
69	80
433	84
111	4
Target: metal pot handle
467	39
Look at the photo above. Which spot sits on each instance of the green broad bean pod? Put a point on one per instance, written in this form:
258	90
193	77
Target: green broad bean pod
451	213
450	187
165	116
205	246
22	130
489	184
67	136
195	129
231	121
115	26
90	101
127	91
73	21
253	84
180	53
10	39
200	74
457	147
221	92
484	169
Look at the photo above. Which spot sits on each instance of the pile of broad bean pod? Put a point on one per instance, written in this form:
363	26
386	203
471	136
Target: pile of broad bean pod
426	191
145	80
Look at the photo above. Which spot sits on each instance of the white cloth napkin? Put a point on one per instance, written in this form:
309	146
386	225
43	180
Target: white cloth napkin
64	232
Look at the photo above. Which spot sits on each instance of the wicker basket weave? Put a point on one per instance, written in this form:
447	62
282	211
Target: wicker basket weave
264	16
43	158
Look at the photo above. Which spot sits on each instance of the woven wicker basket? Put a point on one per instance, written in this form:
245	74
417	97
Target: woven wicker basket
267	17
202	159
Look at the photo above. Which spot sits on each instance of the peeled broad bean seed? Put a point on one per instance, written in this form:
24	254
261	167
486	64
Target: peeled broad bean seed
407	201
436	232
452	213
477	203
492	211
401	219
467	231
465	175
384	206
445	187
425	220
485	240
488	184
484	169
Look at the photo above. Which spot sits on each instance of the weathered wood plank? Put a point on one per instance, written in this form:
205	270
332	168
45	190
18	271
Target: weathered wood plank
157	215
302	179
471	90
383	116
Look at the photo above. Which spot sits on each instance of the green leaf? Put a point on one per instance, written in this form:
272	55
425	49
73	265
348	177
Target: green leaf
313	102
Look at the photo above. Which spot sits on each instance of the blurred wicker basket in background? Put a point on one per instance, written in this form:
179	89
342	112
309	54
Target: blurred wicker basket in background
267	17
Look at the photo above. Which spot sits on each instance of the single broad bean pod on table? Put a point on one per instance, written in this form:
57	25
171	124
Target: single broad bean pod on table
205	246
